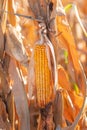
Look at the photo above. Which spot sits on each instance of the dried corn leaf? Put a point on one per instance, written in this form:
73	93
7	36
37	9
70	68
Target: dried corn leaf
77	100
11	110
34	113
67	42
11	16
53	62
4	88
35	7
1	43
29	27
55	46
39	8
20	97
30	31
63	78
69	109
4	124
43	8
1	5
4	6
14	45
59	109
31	79
72	127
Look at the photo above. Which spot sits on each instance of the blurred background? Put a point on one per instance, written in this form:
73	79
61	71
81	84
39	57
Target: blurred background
80	38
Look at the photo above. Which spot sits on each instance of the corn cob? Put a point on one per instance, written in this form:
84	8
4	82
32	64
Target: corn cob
43	75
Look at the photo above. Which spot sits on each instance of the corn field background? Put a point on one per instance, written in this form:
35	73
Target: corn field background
43	64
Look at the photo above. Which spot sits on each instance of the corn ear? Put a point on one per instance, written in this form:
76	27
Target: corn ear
43	75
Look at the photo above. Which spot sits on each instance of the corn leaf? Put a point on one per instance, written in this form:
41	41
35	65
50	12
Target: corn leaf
20	97
11	16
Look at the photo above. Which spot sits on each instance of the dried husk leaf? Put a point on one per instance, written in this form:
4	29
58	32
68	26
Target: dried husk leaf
63	78
39	8
31	79
4	6
53	43
30	31
59	109
67	42
11	109
34	114
1	43
35	7
4	88
4	124
11	17
20	97
14	46
17	121
72	127
1	5
53	61
43	8
29	28
77	101
69	109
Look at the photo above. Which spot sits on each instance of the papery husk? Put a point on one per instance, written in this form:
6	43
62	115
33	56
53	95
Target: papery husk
20	97
39	8
63	78
14	45
4	124
58	109
4	86
3	6
69	109
1	43
11	109
11	17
